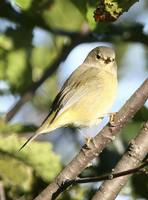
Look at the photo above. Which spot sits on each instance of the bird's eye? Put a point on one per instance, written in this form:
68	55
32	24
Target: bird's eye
98	56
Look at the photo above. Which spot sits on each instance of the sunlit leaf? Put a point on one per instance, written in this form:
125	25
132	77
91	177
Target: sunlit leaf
38	155
23	4
18	175
18	72
56	16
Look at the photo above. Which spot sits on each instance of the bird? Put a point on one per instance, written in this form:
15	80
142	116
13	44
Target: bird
86	96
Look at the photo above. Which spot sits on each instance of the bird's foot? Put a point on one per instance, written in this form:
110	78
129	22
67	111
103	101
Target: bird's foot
111	118
89	142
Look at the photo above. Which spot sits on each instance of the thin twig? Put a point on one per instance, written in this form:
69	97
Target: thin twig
108	176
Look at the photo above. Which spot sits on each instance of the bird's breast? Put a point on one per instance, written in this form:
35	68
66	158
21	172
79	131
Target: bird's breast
108	91
97	102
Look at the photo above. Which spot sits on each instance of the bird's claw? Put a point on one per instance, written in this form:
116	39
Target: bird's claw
111	118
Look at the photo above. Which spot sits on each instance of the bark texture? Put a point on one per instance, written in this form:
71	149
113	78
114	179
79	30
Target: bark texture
136	152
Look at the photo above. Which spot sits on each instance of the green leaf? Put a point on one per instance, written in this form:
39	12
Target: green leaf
23	4
6	42
38	155
19	175
81	5
87	8
18	72
90	18
63	15
41	58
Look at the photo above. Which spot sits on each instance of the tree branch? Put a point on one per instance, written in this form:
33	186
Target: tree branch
136	152
108	176
87	154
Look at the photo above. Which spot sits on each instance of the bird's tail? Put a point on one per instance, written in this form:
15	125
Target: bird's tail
29	140
46	127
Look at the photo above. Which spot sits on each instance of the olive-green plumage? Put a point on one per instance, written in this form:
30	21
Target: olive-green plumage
87	94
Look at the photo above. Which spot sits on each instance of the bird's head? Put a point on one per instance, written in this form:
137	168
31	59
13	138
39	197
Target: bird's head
103	58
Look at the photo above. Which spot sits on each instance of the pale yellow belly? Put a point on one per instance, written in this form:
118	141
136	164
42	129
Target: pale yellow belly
95	105
90	109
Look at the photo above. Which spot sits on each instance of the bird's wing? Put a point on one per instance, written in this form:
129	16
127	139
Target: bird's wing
80	83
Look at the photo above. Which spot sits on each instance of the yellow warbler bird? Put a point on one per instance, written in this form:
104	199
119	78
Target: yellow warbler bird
87	94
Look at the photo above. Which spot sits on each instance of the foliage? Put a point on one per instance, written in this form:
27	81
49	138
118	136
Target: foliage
37	161
33	35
